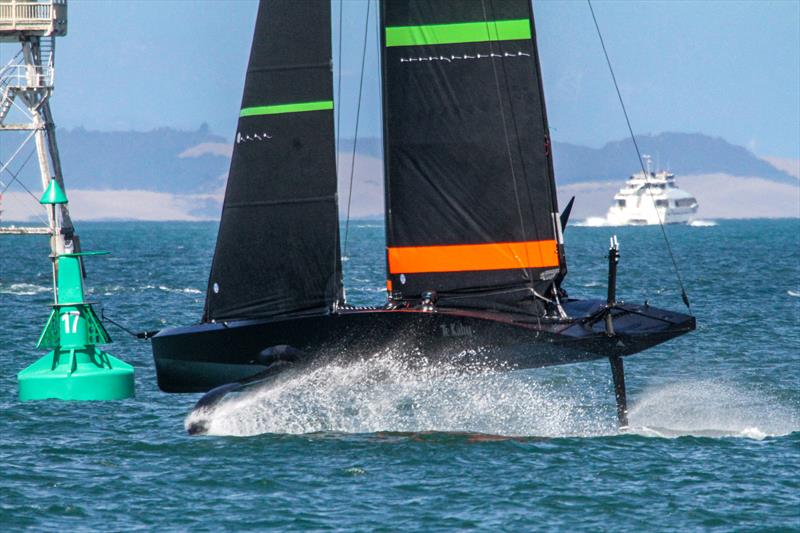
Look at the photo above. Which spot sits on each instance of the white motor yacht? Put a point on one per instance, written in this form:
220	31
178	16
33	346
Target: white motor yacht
650	198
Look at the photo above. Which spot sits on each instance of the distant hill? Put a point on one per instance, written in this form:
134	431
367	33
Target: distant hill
163	160
682	153
169	174
168	160
153	160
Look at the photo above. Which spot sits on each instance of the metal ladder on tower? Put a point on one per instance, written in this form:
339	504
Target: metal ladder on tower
8	95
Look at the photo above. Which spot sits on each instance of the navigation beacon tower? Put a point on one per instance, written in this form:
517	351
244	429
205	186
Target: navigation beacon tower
26	83
75	368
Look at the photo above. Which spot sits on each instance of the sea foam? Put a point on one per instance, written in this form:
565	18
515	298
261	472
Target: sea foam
383	393
711	409
24	289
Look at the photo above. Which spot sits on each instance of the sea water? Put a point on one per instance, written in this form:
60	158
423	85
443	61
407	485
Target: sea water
714	442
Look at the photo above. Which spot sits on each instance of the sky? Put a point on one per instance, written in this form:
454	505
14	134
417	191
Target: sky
724	68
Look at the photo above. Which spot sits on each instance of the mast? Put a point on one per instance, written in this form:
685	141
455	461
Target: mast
472	212
277	250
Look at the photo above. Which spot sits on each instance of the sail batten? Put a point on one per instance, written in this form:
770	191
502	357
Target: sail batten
277	250
468	170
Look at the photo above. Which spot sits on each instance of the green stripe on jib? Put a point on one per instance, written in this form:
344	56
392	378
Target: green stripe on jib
299	107
463	32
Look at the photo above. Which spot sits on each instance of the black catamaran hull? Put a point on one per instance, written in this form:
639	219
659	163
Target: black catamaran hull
201	357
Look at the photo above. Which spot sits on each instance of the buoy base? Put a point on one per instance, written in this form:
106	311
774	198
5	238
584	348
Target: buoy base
77	374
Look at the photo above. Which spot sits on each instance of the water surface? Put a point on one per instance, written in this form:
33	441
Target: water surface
715	414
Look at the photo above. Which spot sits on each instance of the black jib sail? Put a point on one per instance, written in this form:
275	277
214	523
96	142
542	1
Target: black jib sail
471	207
277	250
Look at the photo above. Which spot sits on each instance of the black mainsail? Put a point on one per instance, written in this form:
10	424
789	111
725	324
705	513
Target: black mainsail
471	207
277	250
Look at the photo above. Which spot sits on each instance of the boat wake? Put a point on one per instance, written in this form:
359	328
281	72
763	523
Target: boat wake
710	409
384	394
702	223
602	222
592	222
796	294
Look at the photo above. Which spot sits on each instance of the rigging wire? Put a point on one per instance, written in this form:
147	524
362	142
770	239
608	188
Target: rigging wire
141	335
339	296
684	296
355	135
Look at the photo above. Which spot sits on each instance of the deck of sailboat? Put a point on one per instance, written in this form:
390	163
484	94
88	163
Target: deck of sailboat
200	357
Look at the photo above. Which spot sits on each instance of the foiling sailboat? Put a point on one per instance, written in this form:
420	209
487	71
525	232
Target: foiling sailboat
474	250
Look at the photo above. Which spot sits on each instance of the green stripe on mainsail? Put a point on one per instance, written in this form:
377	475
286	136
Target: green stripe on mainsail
286	108
463	32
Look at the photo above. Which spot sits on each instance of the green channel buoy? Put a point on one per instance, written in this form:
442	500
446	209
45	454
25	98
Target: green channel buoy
75	368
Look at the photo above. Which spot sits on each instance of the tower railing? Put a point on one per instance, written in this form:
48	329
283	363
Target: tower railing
27	77
46	16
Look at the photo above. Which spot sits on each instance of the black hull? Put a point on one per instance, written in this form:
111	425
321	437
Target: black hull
204	356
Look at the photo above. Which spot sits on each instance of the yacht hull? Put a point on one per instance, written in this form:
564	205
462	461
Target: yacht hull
204	356
651	216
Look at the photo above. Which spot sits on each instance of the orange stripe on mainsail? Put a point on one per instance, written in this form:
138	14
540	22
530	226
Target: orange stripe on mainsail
464	257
